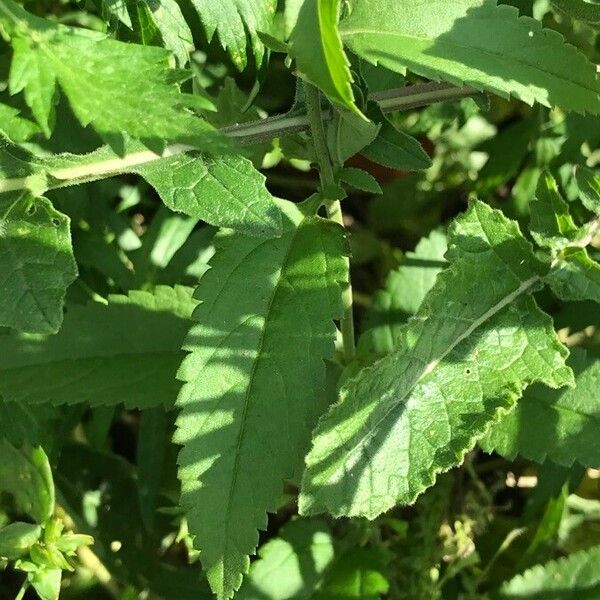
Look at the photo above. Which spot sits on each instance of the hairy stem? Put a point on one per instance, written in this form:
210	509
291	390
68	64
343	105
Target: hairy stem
334	208
244	133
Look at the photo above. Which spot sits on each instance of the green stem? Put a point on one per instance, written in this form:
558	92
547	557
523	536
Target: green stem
333	207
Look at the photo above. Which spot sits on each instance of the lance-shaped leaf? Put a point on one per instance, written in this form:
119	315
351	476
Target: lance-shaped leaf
574	576
125	352
36	263
464	358
234	21
223	190
561	425
253	379
316	45
474	42
575	276
117	87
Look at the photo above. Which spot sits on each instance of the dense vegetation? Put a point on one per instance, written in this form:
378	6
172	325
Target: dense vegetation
299	299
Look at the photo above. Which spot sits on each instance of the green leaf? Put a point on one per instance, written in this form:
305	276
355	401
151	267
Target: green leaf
277	574
117	87
395	149
153	440
477	43
551	224
17	538
166	17
25	474
347	134
124	352
316	46
14	126
583	11
305	561
222	190
464	359
575	276
576	576
234	21
36	263
589	188
566	421
46	582
404	291
359	179
255	367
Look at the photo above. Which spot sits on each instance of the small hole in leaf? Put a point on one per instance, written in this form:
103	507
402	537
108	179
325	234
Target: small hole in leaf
56	222
467	371
31	210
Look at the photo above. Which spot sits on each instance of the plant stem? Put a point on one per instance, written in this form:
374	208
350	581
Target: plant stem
243	133
333	207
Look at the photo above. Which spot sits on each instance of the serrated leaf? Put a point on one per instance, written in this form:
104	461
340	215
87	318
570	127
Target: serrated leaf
25	474
575	276
36	263
465	358
306	562
359	179
233	21
583	11
316	46
14	126
124	352
576	576
252	377
395	149
551	224
404	291
477	43
117	87
566	421
166	17
224	190
589	188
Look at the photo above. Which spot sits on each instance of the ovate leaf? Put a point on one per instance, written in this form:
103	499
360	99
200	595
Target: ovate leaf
575	576
253	378
316	45
117	87
125	352
477	43
464	359
36	263
235	20
561	425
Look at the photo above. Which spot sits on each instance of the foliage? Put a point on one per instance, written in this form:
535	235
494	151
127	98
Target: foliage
265	265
